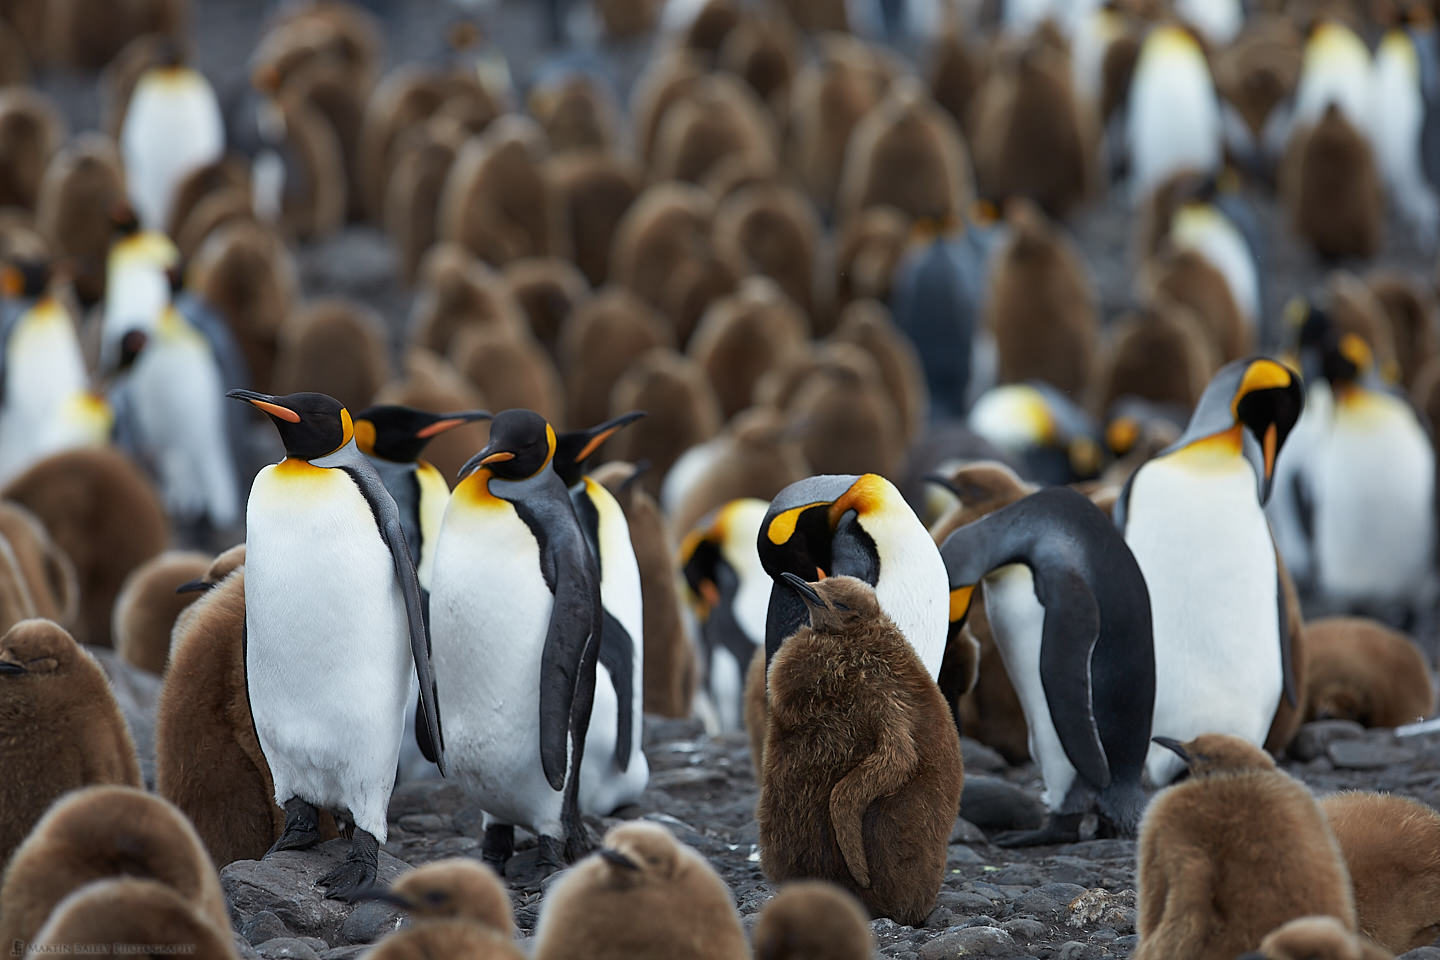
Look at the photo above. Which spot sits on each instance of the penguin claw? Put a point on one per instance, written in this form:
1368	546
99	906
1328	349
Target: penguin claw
348	881
302	830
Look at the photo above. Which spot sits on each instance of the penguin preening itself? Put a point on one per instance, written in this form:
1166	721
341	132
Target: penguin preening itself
528	641
1086	676
1232	853
615	772
1193	517
862	773
331	734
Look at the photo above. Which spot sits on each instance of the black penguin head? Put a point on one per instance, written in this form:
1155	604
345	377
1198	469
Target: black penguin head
1267	403
573	448
399	434
27	279
311	425
521	444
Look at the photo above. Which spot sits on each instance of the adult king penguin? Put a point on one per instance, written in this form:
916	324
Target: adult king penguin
615	771
516	618
1085	670
839	525
1193	517
326	562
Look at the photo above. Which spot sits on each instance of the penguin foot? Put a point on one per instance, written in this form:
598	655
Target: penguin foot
1059	828
302	827
578	843
356	874
553	856
498	846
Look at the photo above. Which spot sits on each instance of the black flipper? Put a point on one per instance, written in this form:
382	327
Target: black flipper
617	656
1287	656
569	640
1072	627
387	518
785	615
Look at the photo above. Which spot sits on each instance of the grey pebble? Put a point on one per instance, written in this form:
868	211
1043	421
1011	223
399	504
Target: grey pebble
1023	928
264	926
370	921
287	948
1366	754
970	942
1075	950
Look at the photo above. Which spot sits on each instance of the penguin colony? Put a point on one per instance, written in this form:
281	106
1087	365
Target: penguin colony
887	464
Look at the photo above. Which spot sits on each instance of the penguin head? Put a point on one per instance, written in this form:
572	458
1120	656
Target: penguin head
836	604
24	279
452	889
798	534
711	549
1255	402
574	447
1216	754
522	443
35	648
638	853
399	433
311	425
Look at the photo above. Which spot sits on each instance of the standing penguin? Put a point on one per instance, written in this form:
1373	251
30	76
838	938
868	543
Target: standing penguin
137	285
616	772
860	527
1173	115
1398	119
326	559
517	658
1086	677
1194	519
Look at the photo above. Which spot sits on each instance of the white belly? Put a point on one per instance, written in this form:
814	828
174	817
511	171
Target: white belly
1017	621
44	373
328	651
1202	542
914	591
726	679
604	787
171	128
489	612
1174	122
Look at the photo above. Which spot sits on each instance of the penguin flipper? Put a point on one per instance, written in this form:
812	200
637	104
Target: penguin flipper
617	656
1287	655
880	774
575	619
1072	627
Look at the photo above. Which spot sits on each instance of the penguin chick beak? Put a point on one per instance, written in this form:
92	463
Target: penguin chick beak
11	668
194	586
266	403
450	422
807	593
617	859
1174	746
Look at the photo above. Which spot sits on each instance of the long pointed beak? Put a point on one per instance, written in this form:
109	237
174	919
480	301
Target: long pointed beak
604	431
618	859
451	421
194	586
807	593
1174	746
487	455
941	481
11	668
265	402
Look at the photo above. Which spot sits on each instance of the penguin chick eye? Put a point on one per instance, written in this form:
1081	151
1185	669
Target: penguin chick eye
42	665
436	898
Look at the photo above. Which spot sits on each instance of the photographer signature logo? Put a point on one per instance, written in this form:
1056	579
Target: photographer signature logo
18	948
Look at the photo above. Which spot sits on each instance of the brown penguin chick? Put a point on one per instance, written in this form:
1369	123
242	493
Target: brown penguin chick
698	282
331	93
83	177
215	210
1259	69
764	51
333	346
867	324
575	113
494	199
682	411
15	601
148	604
548	290
754	456
643	896
867	250
813	920
1354	308
85	34
954	73
31	130
819	16
510	370
14	60
104	514
60	729
457	908
1189	278
831	96
1041	305
627	19
757	711
1316	938
668	225
127	912
709	26
667	79
1411	309
845	417
1288	716
223	175
426	153
771	230
458	291
106	832
598	344
1232	853
1331	189
244	271
1392	848
862	771
1158	353
719	118
49	575
1031	137
670	668
314	203
432	383
1363	671
333	31
589	195
207	758
743	336
905	153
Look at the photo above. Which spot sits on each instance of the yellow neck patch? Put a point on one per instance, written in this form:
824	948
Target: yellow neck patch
960	602
1225	445
474	491
365	437
865	496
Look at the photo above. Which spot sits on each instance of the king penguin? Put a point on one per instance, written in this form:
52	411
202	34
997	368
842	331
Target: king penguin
326	562
516	618
838	525
1398	121
1085	669
137	286
615	771
1194	519
732	594
1173	113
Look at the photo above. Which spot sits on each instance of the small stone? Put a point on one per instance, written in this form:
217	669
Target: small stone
1017	874
369	921
966	904
970	942
962	854
1111	849
263	926
287	948
966	832
940	918
1366	754
1023	928
314	943
1075	950
1131	941
980	758
424	823
1312	738
994	804
1049	900
981	921
1104	935
352	952
244	949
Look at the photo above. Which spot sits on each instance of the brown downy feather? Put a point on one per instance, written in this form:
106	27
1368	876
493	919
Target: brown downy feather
710	26
813	920
845	417
1190	279
31	130
1260	69
666	228
457	291
224	175
426	152
133	915
867	250
510	370
668	78
1288	716
627	19
764	51
548	290
831	96
1318	938
743	336
576	114
773	231
147	607
955	74
819	16
681	411
215	210
600	342
14	59
1159	353
1363	671
244	271
1332	190
1410	306
589	195
336	347
494	199
719	118
49	574
314	205
16	604
83	177
867	324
